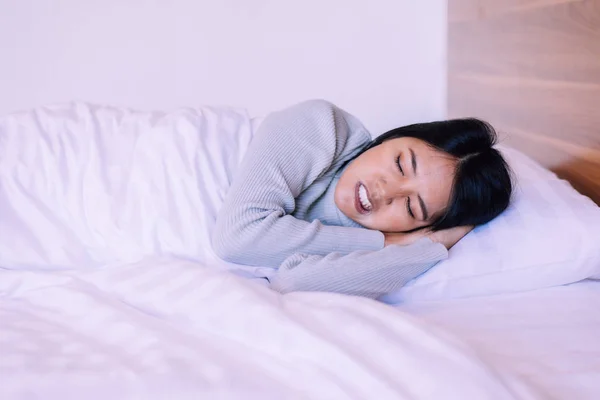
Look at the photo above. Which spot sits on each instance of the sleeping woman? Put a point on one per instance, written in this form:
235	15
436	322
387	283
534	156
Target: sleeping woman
334	210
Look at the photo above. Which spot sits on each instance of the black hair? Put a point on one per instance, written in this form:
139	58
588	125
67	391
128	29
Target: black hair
482	184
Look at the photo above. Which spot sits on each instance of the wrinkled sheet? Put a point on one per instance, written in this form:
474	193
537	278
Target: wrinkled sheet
550	337
170	328
84	185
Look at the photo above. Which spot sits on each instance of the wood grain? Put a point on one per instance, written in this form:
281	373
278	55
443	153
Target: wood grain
532	69
555	109
579	165
461	10
558	42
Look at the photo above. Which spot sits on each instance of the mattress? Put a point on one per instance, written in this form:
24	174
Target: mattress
550	337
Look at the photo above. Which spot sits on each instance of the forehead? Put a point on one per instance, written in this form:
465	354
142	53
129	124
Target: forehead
408	141
424	152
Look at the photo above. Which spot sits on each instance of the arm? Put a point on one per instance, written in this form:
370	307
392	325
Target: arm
362	273
292	148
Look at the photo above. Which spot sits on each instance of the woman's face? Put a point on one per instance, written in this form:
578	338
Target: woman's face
400	185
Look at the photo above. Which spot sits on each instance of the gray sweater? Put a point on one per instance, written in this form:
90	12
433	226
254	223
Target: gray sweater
280	210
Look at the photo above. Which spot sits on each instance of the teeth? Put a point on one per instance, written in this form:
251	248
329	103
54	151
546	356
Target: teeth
362	196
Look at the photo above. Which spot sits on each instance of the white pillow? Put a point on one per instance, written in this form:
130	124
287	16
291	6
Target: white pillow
549	236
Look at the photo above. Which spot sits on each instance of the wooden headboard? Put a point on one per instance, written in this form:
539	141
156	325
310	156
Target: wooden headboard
532	69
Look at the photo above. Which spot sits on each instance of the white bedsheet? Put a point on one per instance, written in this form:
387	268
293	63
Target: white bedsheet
168	328
549	337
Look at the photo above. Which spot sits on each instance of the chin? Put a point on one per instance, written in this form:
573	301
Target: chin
350	212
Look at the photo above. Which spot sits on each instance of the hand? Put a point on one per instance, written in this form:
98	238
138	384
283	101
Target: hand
447	237
404	239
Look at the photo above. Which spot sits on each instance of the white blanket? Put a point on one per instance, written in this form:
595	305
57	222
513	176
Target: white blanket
109	288
83	185
158	329
550	337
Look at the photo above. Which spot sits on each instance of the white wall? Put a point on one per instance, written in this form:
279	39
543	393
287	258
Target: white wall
382	60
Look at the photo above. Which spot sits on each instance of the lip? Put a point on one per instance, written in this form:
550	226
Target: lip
359	207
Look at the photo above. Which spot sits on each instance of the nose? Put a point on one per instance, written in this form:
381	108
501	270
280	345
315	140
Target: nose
389	189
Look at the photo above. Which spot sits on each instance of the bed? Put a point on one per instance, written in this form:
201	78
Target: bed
109	287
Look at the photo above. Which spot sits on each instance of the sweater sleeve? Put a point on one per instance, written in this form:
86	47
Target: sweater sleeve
291	149
362	273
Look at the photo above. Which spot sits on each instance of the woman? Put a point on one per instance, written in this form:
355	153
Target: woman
336	211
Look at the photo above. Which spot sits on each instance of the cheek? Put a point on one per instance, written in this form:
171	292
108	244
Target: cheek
390	219
344	196
440	198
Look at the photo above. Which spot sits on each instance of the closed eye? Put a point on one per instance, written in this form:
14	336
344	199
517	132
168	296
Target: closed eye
399	166
408	208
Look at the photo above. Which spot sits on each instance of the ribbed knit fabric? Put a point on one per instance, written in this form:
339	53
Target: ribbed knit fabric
280	210
361	273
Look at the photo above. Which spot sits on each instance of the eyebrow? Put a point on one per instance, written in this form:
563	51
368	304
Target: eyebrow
413	158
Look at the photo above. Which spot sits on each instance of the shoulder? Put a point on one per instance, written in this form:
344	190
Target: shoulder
315	107
310	114
322	121
318	133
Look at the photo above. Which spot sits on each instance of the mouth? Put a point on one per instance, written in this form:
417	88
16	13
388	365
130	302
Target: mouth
361	199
